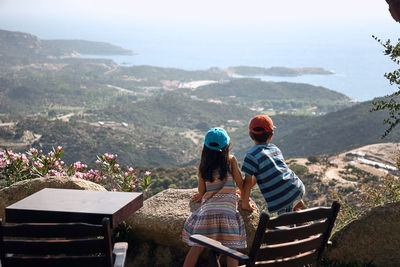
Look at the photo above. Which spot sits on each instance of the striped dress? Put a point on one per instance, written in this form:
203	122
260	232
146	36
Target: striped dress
217	217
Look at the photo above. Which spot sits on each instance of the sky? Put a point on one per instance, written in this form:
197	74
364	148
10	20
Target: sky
194	11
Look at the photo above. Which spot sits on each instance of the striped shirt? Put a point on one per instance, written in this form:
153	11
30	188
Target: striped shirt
279	185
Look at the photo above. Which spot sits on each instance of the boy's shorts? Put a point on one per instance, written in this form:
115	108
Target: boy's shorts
295	202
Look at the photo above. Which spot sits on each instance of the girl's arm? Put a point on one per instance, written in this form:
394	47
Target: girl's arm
201	188
243	185
237	176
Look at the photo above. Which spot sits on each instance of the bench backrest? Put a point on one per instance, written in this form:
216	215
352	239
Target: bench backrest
294	238
56	244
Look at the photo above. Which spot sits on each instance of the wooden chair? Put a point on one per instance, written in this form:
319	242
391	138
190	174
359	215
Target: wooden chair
277	244
60	244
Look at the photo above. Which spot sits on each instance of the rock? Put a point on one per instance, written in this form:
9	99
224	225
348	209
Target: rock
162	217
22	189
374	238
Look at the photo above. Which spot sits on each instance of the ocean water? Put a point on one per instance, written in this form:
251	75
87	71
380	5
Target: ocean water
354	56
348	50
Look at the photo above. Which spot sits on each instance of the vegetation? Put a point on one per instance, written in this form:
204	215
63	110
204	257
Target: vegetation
374	193
16	167
85	47
390	102
334	132
313	159
275	97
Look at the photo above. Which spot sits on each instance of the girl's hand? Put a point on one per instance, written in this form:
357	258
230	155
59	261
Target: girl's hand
248	206
197	197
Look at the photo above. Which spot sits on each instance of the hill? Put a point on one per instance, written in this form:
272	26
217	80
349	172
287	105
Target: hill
275	97
301	136
85	47
19	44
345	129
160	131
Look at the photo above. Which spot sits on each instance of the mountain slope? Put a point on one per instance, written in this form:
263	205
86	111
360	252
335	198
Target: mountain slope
301	136
175	110
280	96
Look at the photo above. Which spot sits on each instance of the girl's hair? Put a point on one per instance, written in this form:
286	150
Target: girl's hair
212	160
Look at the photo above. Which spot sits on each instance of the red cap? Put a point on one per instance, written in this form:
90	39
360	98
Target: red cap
261	121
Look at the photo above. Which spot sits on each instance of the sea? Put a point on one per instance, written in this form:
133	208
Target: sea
348	50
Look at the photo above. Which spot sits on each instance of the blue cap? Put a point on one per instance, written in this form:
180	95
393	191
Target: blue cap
216	139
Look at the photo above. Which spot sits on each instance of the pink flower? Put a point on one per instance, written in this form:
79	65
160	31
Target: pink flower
79	175
147	173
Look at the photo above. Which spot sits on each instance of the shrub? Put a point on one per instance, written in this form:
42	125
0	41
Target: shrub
313	159
300	170
16	167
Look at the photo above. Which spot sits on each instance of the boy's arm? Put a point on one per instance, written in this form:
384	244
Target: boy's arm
247	185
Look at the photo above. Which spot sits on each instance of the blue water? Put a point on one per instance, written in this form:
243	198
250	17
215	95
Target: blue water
348	50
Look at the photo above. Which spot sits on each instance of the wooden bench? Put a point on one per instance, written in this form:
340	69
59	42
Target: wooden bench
278	243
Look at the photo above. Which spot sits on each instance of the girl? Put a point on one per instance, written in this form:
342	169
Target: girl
217	217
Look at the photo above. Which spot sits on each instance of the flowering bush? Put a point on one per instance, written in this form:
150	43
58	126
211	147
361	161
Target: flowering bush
115	177
15	167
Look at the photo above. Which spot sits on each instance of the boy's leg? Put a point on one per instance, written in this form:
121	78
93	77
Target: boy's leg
192	256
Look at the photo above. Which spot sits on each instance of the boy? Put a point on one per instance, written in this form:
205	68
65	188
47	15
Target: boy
265	165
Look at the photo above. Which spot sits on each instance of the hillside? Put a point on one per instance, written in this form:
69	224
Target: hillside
275	97
302	136
85	47
175	110
175	123
346	174
19	44
342	130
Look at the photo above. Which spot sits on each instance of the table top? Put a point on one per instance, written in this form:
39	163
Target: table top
59	205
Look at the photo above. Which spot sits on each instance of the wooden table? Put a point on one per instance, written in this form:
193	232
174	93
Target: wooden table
70	205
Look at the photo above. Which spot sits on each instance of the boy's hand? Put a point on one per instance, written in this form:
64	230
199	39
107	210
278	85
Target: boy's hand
197	197
248	206
298	205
